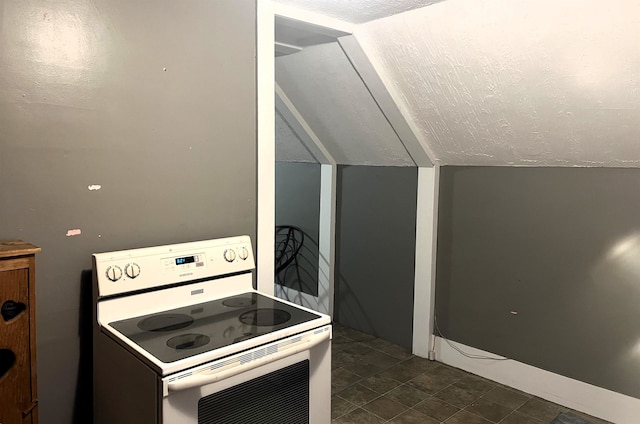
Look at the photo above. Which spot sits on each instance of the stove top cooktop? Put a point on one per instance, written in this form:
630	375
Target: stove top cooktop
183	332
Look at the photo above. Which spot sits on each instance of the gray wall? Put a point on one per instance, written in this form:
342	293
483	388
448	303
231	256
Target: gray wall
375	250
557	246
298	204
152	100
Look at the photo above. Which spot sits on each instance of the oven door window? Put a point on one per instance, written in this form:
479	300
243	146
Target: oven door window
280	397
295	389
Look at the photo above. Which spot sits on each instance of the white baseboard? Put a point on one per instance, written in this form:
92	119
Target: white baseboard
592	400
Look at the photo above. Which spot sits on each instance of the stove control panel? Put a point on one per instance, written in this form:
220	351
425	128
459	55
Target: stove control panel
185	262
132	270
152	267
241	253
229	255
114	273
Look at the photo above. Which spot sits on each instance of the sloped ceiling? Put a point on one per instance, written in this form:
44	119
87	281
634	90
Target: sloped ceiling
357	11
329	94
289	147
503	82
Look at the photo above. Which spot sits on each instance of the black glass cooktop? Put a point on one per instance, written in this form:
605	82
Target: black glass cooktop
183	332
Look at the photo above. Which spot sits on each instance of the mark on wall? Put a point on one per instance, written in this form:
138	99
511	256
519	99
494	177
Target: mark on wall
94	187
74	232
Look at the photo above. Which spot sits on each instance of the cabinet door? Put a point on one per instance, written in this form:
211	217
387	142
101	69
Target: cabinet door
15	357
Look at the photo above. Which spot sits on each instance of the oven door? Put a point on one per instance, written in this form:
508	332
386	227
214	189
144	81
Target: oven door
284	382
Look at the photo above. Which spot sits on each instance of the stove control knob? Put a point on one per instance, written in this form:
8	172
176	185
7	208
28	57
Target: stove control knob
114	273
132	270
229	255
244	253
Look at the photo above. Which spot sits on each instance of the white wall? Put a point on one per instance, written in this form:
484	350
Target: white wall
502	82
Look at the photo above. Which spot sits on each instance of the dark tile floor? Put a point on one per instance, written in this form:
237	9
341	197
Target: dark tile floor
374	381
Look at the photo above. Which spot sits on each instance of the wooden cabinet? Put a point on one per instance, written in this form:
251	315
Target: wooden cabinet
18	389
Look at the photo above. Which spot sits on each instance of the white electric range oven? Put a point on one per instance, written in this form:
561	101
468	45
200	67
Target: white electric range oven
181	337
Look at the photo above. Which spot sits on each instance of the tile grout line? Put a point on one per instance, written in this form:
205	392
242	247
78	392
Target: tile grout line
374	345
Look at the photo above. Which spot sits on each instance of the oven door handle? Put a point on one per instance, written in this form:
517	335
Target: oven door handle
239	365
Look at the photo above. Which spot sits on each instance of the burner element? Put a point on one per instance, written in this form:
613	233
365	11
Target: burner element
188	341
265	317
239	302
165	322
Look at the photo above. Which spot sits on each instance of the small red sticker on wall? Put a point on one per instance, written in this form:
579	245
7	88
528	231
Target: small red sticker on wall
75	232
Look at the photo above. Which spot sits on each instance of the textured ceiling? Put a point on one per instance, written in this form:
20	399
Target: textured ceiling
335	103
289	147
498	82
301	34
357	11
503	82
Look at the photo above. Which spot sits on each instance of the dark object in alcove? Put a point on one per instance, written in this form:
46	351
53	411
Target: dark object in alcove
289	240
7	359
289	270
11	309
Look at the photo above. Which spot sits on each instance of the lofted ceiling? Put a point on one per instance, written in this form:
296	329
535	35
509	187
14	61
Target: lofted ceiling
324	111
498	82
326	90
357	11
289	146
292	36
